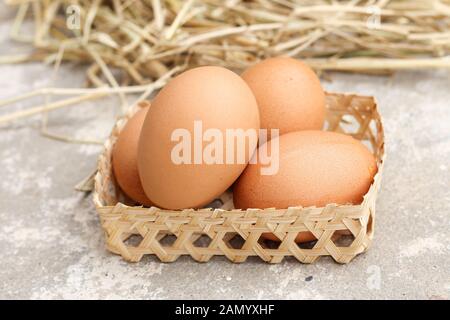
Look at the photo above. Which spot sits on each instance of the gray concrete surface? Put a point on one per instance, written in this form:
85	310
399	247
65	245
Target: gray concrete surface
52	246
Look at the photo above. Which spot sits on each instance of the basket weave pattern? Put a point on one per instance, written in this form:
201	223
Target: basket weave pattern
169	234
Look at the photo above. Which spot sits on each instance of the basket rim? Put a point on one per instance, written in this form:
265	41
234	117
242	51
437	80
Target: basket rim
145	210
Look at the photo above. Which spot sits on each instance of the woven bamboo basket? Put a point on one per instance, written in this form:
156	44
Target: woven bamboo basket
342	231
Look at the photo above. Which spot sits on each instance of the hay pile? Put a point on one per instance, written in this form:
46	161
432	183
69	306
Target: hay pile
135	46
145	39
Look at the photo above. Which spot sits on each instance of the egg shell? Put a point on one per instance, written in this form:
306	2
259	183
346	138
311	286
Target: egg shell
289	94
124	159
316	168
221	100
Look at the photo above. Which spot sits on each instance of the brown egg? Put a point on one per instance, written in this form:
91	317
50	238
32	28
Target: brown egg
315	168
189	115
124	159
289	94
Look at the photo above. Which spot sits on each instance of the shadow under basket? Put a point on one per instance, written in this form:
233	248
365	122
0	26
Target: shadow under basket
342	231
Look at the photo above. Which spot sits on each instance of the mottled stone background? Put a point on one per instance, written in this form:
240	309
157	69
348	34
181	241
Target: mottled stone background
52	246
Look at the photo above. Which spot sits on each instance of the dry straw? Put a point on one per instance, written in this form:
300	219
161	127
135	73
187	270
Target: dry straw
129	44
145	39
342	231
